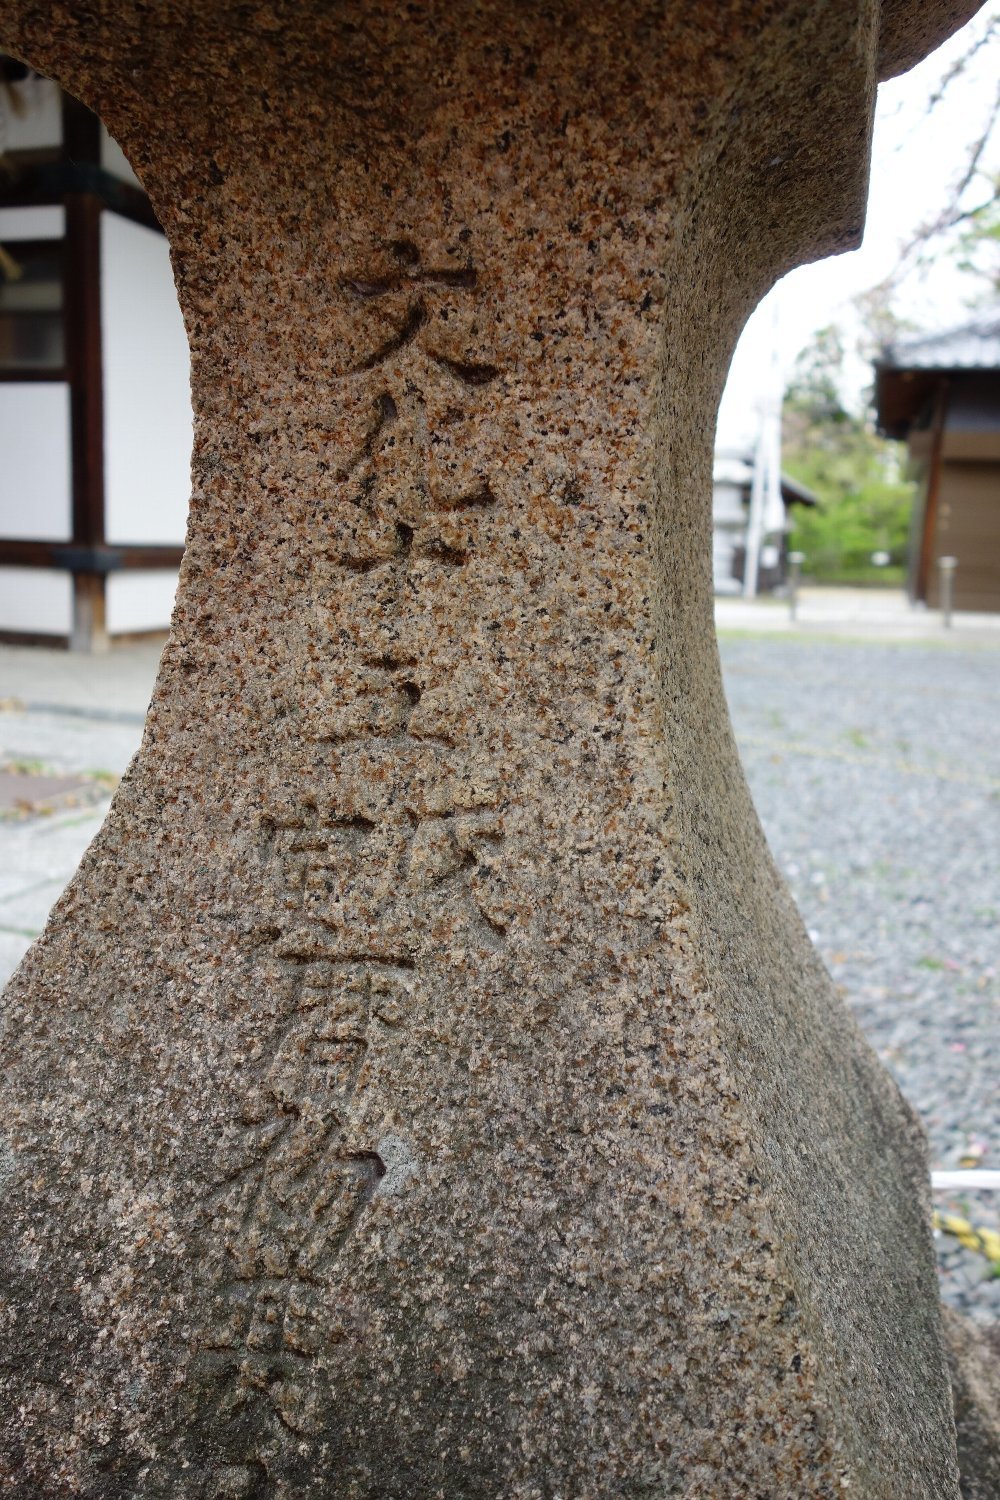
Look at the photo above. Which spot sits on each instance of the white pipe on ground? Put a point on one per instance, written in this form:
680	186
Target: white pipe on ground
974	1179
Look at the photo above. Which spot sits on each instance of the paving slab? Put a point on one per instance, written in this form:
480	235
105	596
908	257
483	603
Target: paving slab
114	685
25	793
13	947
859	613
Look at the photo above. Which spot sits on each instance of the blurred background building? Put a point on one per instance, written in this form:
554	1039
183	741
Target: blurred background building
732	488
95	419
941	394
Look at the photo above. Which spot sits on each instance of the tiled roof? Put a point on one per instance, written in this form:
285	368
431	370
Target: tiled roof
733	466
972	346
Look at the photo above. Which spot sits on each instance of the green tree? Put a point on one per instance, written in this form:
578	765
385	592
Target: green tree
864	500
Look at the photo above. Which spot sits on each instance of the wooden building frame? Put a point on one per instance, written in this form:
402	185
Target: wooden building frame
940	393
74	179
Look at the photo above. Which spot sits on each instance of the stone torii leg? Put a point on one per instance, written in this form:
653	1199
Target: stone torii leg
426	1087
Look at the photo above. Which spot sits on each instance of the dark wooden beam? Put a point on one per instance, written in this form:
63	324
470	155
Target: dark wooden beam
17	248
82	324
102	559
82	303
933	494
16	376
34	638
50	182
90	628
81	133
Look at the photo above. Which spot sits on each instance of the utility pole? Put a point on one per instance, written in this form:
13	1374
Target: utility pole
767	513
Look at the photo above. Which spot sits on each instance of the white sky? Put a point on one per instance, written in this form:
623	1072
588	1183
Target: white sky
916	159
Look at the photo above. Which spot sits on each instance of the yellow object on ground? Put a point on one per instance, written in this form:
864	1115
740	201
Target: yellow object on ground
986	1241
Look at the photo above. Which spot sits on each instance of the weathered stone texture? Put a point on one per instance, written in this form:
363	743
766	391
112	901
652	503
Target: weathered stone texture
974	1366
426	1087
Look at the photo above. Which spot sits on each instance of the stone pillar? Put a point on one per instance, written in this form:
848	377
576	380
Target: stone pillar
426	1088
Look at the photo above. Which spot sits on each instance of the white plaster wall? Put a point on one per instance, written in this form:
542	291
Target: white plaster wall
729	524
728	503
140	600
36	600
39	123
35	462
114	160
147	407
42	223
724	546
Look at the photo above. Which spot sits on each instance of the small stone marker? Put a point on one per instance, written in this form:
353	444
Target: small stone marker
426	1087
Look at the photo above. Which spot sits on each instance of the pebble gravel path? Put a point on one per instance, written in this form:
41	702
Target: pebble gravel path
875	768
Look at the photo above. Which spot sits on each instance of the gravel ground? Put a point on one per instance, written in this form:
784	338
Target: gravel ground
876	773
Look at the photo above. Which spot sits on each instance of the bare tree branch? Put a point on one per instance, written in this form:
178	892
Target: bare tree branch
960	64
952	214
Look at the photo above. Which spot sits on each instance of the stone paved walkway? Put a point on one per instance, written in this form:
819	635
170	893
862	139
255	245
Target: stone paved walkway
858	613
61	716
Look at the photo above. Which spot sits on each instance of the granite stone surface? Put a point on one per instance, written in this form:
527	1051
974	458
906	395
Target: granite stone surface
426	1087
974	1365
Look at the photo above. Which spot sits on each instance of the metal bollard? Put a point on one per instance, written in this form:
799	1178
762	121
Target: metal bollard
947	566
795	561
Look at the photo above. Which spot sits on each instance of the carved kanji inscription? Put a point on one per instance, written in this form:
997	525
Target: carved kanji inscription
408	826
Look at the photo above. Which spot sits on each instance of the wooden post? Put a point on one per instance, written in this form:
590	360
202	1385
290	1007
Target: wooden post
933	493
82	314
83	359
